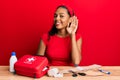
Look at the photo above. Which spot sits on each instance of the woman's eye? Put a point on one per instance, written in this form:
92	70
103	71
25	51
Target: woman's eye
61	16
55	16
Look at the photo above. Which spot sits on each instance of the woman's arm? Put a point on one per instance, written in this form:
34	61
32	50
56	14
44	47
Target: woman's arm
41	49
76	49
76	45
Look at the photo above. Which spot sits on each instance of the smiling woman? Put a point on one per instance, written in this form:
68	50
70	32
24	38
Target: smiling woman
22	23
61	44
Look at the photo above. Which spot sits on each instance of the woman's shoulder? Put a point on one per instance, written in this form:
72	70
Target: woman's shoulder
45	36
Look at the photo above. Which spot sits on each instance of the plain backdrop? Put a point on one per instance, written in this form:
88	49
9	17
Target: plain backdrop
22	22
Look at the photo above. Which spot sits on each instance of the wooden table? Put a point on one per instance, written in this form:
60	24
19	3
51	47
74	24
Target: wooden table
115	74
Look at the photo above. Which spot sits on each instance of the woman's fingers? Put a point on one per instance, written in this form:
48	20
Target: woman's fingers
72	25
74	22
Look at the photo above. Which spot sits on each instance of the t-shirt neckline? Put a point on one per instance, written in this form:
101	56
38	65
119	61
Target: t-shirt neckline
62	37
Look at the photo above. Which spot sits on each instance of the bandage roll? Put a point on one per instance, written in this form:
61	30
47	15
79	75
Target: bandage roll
52	72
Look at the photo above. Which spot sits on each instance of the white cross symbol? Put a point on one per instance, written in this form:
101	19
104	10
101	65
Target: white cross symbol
31	59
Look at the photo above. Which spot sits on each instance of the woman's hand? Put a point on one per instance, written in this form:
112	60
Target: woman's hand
72	25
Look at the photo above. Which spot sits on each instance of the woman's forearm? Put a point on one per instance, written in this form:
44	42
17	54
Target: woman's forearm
76	51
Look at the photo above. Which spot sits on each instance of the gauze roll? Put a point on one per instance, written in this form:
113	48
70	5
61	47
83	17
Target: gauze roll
52	72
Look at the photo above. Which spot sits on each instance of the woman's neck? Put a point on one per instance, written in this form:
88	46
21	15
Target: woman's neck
62	33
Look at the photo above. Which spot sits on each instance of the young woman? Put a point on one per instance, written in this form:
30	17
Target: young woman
61	45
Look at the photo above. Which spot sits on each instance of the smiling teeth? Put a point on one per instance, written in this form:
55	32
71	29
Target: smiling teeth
57	23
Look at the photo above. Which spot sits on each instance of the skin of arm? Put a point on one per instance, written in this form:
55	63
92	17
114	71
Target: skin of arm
76	45
41	49
76	49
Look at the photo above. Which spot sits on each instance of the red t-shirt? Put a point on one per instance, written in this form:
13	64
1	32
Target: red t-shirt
58	50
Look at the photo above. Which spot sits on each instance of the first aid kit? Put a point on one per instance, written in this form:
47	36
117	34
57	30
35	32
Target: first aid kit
32	66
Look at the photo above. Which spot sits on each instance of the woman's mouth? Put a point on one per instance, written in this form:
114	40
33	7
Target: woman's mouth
57	24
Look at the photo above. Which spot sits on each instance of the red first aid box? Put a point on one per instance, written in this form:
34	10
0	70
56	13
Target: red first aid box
32	66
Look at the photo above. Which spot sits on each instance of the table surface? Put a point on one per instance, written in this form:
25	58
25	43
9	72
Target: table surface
115	74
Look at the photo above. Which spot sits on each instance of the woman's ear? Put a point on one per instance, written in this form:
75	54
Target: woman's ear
70	19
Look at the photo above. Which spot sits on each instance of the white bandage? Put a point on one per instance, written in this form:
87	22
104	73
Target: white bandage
58	75
54	72
94	66
79	68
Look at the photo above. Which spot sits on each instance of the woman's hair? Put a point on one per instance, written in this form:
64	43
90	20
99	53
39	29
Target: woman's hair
54	30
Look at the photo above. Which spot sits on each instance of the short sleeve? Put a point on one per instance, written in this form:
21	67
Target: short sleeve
44	38
78	36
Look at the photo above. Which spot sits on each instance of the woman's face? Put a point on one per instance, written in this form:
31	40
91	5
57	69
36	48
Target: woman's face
61	18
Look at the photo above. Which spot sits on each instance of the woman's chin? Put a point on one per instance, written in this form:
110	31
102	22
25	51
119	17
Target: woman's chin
58	27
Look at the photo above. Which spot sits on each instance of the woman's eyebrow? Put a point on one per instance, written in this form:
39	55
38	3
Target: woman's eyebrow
59	13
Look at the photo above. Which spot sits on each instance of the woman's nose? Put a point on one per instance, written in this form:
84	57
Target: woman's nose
57	18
